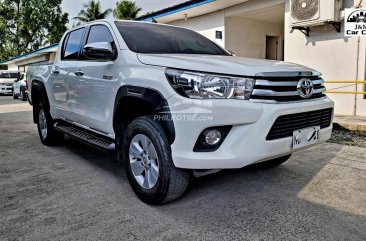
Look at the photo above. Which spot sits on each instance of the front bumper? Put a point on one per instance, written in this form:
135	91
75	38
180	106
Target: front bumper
246	143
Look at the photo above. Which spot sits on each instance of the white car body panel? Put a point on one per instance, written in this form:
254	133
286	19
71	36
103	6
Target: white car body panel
89	101
246	142
219	64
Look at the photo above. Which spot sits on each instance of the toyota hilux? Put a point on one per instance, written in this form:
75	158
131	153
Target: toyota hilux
173	103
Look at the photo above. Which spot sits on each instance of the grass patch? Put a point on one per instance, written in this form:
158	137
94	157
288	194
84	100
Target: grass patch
343	136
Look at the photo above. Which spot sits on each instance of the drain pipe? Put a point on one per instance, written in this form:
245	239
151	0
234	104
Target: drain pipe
357	69
357	63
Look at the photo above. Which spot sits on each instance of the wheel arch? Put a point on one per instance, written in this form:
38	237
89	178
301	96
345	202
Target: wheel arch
132	102
39	94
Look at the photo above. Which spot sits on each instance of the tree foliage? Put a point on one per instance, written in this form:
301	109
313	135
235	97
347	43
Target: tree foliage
7	23
92	11
27	25
126	10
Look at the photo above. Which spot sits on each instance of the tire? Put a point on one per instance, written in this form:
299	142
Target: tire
170	182
15	97
273	163
23	95
48	135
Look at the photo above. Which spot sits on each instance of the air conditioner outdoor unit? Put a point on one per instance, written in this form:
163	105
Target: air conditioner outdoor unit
307	13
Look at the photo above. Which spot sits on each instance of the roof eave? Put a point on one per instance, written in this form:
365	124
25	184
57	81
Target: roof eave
6	62
174	9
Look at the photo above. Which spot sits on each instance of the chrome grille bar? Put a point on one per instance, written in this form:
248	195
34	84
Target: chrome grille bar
262	82
272	87
282	93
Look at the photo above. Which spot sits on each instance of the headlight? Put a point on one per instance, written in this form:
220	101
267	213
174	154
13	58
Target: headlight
210	86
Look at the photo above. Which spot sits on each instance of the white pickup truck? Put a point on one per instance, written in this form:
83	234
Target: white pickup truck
173	103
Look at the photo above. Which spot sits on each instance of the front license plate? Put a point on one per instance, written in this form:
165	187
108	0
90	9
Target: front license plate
306	137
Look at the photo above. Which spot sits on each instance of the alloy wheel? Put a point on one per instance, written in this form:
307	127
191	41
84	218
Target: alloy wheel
42	123
144	161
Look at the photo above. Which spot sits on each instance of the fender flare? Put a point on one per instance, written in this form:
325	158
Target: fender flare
154	98
38	86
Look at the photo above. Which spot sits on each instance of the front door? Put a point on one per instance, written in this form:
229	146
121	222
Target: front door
99	81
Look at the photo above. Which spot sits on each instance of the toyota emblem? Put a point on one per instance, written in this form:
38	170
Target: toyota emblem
305	87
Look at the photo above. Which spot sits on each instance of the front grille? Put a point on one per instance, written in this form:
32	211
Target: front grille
285	125
284	88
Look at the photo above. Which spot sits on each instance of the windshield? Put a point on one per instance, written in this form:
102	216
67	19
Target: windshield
9	75
162	39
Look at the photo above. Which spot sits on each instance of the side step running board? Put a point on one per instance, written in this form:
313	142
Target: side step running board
85	136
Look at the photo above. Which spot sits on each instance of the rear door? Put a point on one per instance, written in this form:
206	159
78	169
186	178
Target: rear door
66	83
99	80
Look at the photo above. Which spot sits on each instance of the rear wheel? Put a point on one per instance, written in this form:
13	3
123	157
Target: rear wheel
48	135
149	165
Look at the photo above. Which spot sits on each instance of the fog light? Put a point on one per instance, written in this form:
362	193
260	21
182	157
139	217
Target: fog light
213	137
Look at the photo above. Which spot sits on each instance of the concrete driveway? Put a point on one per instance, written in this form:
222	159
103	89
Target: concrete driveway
74	192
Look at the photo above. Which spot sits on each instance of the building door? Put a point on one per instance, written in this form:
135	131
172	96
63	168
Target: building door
272	47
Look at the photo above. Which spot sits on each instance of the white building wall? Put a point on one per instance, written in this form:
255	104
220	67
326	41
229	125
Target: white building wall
32	60
333	55
52	57
13	67
247	37
207	25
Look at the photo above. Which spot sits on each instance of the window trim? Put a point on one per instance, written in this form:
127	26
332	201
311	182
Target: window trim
65	41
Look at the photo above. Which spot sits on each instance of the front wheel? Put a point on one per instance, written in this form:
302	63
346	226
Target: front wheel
149	165
49	136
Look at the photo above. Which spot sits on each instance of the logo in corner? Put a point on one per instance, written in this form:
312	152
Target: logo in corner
305	87
355	22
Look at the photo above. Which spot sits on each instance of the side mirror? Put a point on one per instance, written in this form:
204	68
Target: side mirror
99	51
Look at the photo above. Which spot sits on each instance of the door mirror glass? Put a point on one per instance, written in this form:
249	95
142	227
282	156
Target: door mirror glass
99	51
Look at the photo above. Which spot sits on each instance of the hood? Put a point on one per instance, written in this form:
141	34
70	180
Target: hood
219	64
7	80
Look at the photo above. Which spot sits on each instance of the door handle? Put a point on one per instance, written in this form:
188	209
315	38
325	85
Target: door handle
55	71
79	73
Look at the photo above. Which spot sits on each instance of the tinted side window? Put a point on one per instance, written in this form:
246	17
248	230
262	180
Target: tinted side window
72	46
99	33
